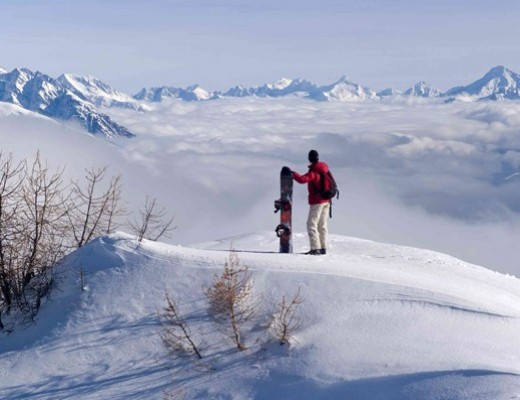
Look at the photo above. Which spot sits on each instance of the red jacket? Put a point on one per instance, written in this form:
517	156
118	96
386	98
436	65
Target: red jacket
312	178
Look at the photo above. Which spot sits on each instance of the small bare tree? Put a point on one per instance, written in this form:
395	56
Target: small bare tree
93	212
152	223
231	297
175	333
42	241
32	233
286	321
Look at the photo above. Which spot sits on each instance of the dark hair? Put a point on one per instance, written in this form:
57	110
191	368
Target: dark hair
313	156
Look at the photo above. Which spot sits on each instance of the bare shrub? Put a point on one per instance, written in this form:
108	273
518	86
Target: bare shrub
32	233
286	320
152	222
93	211
231	297
175	332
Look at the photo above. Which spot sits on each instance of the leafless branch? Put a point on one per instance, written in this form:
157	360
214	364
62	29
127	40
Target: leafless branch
175	333
286	321
93	212
152	222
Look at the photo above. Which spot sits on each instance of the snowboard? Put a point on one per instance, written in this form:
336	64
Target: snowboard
284	205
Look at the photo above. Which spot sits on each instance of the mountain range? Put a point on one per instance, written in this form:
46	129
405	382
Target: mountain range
498	84
79	98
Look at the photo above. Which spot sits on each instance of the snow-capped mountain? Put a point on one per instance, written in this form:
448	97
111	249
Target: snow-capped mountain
239	91
285	87
2	70
282	87
390	92
499	83
12	89
40	93
97	92
191	93
343	91
422	89
69	107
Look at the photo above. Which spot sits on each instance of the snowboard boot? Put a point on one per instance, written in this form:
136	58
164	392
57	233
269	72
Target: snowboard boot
323	251
315	252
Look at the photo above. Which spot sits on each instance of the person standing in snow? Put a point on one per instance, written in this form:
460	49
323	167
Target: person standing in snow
317	228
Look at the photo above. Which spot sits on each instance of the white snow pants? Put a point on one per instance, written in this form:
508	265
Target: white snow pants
317	225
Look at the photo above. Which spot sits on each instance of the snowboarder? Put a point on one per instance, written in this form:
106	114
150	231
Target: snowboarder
319	206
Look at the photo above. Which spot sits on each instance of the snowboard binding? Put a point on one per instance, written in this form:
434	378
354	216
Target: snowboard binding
283	230
281	204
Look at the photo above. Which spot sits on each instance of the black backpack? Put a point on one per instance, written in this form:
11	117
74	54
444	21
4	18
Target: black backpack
328	188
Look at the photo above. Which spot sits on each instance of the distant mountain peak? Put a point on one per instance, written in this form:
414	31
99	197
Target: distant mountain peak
423	89
281	84
343	90
498	83
344	79
390	92
497	71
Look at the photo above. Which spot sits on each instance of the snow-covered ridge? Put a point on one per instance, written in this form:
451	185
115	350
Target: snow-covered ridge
60	99
390	321
342	90
97	92
191	93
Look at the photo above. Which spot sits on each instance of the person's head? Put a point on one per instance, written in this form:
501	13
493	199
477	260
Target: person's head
313	156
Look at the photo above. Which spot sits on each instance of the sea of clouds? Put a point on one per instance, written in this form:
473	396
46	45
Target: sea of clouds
413	172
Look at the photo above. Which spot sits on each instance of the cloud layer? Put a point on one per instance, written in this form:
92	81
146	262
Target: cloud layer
439	176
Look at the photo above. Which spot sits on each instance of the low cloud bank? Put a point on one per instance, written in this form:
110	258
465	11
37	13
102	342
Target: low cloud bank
439	176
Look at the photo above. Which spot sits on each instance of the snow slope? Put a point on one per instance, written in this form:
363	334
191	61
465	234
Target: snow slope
379	322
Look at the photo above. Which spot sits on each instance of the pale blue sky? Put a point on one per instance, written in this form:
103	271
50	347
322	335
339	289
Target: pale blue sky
377	43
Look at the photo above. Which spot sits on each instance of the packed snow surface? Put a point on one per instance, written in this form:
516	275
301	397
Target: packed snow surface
378	321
